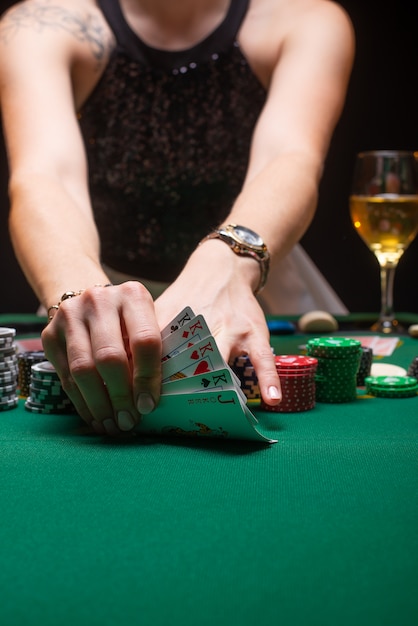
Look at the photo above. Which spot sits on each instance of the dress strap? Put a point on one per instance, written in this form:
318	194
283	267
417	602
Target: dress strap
217	41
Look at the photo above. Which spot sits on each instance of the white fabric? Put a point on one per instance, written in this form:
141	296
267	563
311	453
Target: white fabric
296	286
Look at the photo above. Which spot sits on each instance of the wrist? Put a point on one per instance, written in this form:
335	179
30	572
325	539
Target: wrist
244	242
214	255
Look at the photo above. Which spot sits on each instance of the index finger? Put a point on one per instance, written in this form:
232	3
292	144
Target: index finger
262	358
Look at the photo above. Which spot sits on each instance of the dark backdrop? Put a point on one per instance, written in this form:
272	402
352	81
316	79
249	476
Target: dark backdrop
380	112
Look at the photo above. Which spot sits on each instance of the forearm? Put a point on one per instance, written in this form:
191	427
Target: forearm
55	240
279	201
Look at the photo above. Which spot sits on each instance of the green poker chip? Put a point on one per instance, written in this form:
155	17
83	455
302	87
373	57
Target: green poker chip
333	347
391	382
338	363
392	386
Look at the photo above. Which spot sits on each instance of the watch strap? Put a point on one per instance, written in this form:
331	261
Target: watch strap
259	253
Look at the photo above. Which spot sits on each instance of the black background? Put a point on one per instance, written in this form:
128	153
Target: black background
380	113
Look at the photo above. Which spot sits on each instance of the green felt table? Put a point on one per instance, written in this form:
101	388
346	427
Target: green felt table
317	529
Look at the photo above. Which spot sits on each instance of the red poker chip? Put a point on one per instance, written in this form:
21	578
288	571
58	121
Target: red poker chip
287	408
297	375
297	392
297	385
290	393
285	361
302	404
297	380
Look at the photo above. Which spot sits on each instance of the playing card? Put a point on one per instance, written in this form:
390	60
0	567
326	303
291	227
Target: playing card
212	414
182	318
200	394
381	346
200	358
185	336
218	380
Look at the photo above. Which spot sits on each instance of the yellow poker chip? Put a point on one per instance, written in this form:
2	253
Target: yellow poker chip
387	369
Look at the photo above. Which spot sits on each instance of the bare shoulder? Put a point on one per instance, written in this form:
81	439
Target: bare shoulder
320	18
274	26
288	14
75	26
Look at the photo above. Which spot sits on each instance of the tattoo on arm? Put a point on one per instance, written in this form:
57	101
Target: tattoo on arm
42	16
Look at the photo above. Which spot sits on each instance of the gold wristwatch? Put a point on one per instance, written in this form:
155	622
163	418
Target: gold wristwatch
246	242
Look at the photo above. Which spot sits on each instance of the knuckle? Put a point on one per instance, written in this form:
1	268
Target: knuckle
146	339
80	367
109	355
91	299
135	290
110	360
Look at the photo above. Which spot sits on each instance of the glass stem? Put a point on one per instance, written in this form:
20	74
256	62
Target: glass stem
387	276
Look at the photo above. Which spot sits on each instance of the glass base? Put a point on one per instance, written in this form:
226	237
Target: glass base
388	327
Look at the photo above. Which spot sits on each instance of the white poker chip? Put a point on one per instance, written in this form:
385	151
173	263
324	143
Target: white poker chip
317	322
387	369
7	333
44	367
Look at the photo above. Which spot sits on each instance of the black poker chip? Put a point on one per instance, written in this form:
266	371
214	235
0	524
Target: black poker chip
244	370
365	367
413	368
8	369
9	403
45	392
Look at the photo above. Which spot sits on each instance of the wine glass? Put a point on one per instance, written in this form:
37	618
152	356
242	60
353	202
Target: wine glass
384	211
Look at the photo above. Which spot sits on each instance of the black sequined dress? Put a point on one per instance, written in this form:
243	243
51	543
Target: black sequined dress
167	135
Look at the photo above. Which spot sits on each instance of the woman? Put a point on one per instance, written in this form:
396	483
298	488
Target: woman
138	133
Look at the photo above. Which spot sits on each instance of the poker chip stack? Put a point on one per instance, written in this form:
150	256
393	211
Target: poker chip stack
413	368
297	381
46	394
338	364
8	369
365	366
244	369
25	360
392	386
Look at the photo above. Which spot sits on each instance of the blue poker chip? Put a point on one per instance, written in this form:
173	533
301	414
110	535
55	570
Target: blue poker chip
281	327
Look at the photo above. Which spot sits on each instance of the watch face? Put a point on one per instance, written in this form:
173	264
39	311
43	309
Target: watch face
248	236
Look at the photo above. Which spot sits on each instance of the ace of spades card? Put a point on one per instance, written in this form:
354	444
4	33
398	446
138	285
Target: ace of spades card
200	394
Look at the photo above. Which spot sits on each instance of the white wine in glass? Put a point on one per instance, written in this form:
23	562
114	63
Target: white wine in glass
384	211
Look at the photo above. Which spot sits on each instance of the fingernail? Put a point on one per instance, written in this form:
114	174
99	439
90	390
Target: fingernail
274	393
145	403
110	427
125	420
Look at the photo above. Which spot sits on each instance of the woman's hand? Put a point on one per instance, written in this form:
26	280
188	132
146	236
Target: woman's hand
106	347
218	284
